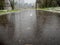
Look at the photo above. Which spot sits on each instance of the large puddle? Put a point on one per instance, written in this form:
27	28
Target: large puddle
30	27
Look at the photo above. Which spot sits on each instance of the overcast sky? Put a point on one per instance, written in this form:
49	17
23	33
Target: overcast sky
29	1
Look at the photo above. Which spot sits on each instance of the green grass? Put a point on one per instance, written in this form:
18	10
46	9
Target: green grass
12	10
49	9
7	11
3	11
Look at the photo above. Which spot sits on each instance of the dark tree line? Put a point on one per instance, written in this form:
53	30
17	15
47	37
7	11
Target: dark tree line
58	2
48	3
3	4
41	3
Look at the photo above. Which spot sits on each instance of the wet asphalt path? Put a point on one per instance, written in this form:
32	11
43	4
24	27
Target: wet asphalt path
30	27
38	29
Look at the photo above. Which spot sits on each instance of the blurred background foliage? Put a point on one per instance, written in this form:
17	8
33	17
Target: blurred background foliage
47	3
2	4
39	3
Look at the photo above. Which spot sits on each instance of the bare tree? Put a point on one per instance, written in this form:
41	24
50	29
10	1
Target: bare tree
12	4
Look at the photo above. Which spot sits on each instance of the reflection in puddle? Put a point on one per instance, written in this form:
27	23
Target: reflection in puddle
31	14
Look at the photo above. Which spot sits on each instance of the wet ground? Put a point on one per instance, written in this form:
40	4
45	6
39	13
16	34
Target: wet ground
30	27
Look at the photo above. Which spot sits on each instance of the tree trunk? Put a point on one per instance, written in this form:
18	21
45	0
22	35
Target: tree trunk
7	5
